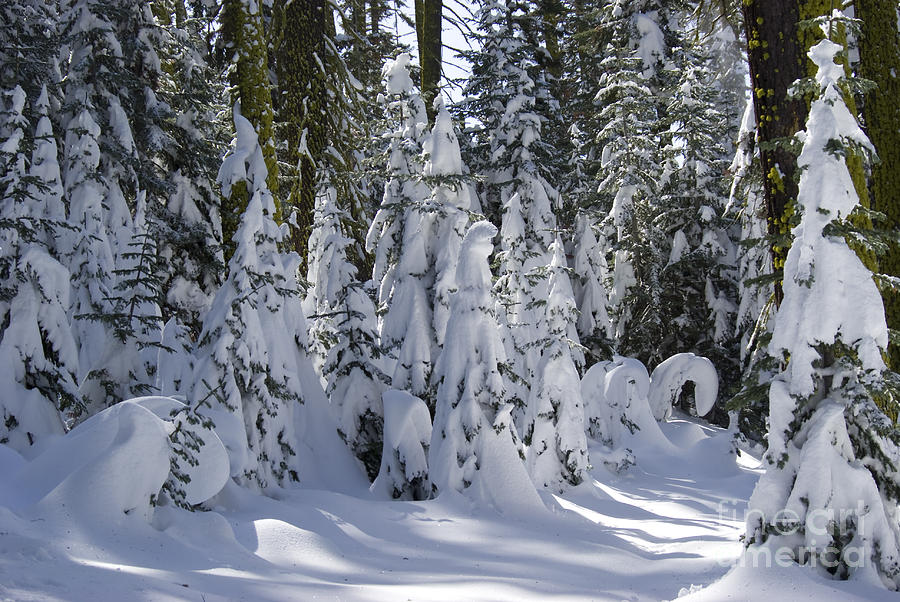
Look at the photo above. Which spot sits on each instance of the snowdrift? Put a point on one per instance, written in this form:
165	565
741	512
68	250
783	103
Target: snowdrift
625	408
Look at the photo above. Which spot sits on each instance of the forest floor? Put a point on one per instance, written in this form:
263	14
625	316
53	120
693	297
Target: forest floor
665	528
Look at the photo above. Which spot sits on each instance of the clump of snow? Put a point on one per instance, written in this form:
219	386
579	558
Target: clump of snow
396	75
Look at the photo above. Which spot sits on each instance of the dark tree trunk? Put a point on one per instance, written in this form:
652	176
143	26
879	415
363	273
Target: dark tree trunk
303	100
775	62
879	51
429	21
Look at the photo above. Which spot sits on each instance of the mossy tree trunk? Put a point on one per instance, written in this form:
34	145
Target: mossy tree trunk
775	60
300	57
879	51
242	29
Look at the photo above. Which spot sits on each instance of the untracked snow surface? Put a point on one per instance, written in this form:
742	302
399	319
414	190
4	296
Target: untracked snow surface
656	531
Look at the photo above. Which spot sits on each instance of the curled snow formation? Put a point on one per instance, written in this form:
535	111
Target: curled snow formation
670	376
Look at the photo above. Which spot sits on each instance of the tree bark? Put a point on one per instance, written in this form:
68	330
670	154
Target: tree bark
243	32
551	11
429	22
879	51
775	61
300	56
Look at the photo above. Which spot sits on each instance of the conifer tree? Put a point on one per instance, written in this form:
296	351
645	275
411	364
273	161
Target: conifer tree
252	346
590	275
629	172
401	239
756	298
184	211
38	355
89	253
557	453
514	161
346	320
29	46
450	202
693	260
831	489
472	426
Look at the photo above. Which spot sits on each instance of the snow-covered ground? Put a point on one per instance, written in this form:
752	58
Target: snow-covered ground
661	528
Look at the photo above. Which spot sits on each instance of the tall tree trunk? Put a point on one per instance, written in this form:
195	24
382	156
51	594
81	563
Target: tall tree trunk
551	11
429	22
301	82
242	28
879	51
775	60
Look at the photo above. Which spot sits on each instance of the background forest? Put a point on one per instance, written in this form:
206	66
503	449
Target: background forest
285	230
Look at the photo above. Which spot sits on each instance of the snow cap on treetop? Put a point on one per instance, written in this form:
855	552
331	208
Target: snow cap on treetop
396	75
472	270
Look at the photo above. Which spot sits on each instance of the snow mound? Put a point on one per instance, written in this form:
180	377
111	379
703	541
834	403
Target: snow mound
670	376
110	466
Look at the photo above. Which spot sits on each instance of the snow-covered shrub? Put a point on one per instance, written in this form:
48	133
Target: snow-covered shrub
404	461
616	408
198	461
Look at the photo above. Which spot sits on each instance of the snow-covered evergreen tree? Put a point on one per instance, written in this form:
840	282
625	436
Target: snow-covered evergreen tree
253	342
346	320
557	454
38	355
451	201
29	45
756	299
831	489
416	234
629	168
129	357
88	254
400	237
515	163
470	385
186	140
691	266
591	274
